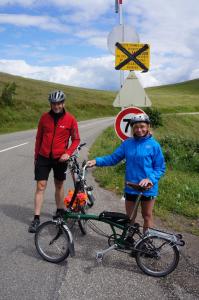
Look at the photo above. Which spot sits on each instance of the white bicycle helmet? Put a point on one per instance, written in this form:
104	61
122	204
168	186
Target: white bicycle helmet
140	118
56	96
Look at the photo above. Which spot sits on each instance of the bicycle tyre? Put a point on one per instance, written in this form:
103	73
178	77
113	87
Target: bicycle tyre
150	261
52	251
82	223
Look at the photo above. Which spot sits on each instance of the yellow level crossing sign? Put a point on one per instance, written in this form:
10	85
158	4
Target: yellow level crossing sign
132	57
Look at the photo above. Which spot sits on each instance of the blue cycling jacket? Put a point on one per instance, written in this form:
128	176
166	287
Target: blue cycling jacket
144	159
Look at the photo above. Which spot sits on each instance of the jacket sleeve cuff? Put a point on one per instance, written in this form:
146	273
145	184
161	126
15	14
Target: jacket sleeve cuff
152	178
68	152
97	159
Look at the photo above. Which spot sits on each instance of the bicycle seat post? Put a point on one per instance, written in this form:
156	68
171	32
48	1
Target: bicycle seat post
134	212
141	189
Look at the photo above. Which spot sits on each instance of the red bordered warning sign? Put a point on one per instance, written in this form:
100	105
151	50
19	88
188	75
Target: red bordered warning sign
122	121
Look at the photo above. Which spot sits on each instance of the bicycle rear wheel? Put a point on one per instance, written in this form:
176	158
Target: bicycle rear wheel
160	256
52	242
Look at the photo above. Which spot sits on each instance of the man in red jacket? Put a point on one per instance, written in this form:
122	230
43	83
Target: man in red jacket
52	150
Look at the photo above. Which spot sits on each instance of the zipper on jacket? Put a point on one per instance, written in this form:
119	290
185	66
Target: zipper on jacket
51	152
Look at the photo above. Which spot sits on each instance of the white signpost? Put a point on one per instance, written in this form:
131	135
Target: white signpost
132	94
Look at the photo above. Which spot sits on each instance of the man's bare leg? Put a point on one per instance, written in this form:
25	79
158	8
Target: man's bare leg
59	193
39	195
38	201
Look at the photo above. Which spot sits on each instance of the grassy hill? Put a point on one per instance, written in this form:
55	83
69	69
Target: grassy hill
31	100
180	97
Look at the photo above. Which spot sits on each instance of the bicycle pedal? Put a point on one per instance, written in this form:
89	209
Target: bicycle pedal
99	257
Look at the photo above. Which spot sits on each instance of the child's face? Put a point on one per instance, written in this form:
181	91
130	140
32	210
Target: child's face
140	129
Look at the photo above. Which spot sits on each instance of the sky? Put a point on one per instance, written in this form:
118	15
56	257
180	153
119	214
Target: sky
65	41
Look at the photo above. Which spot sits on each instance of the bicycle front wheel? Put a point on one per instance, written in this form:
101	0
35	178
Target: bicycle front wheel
52	242
157	256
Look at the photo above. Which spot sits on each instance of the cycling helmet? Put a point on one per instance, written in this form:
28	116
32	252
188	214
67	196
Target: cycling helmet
56	96
140	118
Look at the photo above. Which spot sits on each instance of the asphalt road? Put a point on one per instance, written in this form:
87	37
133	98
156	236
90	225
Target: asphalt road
23	273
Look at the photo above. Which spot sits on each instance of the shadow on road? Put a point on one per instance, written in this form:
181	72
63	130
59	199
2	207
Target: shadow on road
19	213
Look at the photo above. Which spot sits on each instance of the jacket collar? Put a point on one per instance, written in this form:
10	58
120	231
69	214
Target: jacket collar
56	117
142	139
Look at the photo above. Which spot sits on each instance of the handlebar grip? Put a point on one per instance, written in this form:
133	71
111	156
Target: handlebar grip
80	146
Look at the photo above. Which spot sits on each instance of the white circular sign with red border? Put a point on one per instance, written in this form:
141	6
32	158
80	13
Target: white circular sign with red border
122	121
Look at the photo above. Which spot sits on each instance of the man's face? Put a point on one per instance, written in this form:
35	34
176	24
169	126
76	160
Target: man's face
57	107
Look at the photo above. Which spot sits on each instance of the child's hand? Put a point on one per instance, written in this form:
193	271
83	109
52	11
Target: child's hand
91	163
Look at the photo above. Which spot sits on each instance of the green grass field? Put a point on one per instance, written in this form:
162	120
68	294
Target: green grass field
181	97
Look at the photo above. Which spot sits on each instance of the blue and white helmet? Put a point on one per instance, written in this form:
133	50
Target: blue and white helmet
140	118
56	96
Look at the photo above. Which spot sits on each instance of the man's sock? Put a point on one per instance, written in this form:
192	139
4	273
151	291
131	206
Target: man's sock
60	211
37	217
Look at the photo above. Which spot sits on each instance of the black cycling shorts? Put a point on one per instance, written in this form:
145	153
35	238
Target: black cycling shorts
133	197
44	165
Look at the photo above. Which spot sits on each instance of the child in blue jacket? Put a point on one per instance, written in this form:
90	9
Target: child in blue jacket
144	165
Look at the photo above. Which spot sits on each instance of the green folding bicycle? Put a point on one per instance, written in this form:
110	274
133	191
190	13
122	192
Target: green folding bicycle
156	252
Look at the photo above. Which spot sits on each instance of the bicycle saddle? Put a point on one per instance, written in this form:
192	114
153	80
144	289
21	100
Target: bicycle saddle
138	187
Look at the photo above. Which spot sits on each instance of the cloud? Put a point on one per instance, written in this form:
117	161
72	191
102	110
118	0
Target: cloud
194	74
91	73
97	73
170	27
43	22
93	37
84	10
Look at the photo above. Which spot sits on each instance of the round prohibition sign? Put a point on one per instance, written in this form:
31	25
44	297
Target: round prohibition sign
122	121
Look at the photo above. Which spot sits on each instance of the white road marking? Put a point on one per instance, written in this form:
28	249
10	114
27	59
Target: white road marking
14	147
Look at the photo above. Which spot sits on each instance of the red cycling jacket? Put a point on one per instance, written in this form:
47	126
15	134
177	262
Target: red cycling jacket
53	138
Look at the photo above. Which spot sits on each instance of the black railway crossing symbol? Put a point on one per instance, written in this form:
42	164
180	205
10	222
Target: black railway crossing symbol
132	57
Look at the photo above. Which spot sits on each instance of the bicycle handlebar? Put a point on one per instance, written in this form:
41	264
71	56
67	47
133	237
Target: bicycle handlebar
77	150
80	146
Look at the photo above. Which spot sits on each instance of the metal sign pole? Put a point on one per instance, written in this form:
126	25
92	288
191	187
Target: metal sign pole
121	23
119	8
